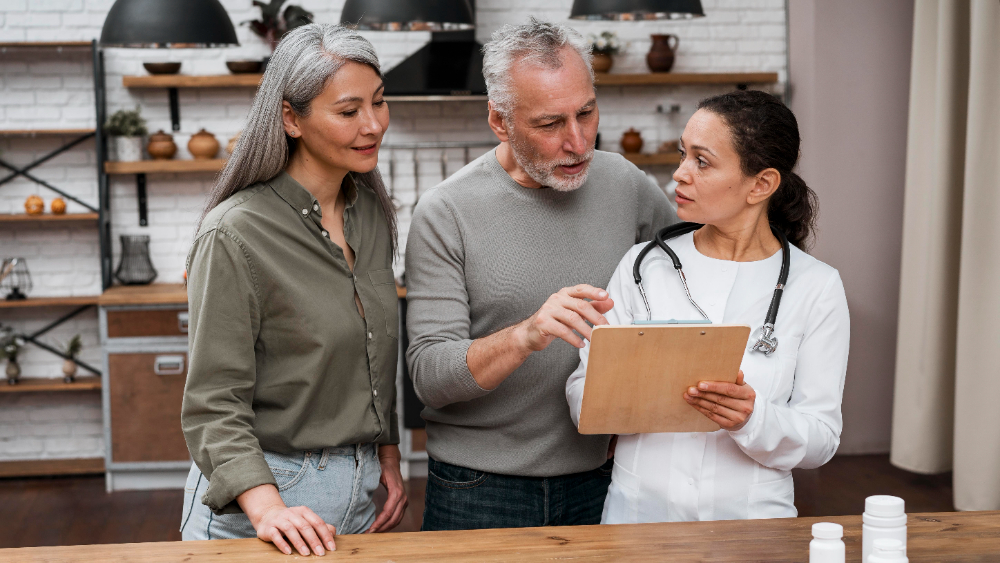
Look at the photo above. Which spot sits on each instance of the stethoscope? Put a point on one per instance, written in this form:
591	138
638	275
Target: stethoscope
766	342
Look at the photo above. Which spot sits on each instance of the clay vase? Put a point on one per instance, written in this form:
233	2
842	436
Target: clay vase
631	141
161	146
602	62
661	54
203	145
231	145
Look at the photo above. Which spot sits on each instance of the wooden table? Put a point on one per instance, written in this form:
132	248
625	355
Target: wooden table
937	537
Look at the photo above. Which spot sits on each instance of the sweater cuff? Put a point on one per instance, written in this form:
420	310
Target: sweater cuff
470	387
234	478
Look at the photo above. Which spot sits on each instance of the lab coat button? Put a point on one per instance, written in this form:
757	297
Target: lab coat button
691	481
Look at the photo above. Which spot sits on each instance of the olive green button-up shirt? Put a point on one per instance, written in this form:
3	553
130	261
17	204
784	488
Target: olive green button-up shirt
280	357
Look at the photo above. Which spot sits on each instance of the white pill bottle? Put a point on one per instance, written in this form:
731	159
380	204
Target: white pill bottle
887	551
827	545
884	517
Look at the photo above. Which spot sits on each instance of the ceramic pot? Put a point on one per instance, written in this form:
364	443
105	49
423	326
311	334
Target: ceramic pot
203	145
69	371
631	141
13	372
58	206
126	149
602	62
161	146
661	54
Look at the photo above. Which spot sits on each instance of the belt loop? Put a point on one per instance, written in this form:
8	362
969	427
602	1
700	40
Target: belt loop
324	459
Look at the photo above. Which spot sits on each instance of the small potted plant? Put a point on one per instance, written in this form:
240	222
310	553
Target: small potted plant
603	46
72	349
273	25
10	346
126	129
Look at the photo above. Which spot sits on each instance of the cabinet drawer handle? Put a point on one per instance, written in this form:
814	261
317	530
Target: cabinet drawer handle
168	365
182	321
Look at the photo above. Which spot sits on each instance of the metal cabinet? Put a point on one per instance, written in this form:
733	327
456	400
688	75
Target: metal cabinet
145	366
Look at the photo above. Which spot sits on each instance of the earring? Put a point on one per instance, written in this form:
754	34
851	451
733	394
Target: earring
294	133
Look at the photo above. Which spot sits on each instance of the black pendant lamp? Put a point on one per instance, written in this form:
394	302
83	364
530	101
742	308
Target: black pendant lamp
168	23
635	10
408	15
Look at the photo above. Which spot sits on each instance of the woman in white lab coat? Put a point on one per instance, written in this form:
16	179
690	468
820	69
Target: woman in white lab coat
736	178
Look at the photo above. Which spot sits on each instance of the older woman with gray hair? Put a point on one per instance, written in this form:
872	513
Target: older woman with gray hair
289	407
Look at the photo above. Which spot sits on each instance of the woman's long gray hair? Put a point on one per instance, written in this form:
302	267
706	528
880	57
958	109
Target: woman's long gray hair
302	64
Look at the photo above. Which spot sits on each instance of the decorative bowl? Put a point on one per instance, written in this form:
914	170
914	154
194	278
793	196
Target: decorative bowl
162	68
244	67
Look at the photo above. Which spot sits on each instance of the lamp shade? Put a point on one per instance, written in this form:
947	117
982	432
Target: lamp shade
168	23
626	10
408	15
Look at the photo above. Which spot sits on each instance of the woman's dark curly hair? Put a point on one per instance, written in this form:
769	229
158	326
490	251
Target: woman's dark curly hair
766	135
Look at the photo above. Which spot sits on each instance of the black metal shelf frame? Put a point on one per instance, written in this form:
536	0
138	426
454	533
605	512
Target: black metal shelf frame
103	208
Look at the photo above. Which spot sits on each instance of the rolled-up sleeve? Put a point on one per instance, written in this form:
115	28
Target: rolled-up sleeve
437	317
217	416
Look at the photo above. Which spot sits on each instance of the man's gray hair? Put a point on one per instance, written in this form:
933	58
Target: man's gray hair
536	42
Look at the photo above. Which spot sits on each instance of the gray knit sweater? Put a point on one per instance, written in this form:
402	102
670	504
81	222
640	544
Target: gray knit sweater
484	253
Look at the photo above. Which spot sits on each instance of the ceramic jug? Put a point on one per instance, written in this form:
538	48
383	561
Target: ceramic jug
661	54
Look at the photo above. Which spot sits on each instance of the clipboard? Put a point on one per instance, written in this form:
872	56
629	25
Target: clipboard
637	375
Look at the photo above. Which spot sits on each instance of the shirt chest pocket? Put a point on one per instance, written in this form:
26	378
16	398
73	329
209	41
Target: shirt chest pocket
385	287
784	375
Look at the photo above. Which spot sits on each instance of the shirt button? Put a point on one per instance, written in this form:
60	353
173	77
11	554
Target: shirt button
375	392
369	336
305	212
315	207
326	234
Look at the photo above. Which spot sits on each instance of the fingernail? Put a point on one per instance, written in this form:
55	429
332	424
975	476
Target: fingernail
602	294
319	550
703	386
329	545
692	391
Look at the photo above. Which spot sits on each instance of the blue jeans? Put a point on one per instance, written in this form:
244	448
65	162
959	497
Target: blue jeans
465	499
336	483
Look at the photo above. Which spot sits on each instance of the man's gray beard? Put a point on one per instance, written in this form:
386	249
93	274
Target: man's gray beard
544	172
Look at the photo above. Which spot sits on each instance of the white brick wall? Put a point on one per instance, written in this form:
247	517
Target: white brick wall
48	89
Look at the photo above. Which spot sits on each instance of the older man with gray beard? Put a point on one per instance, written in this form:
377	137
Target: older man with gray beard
493	338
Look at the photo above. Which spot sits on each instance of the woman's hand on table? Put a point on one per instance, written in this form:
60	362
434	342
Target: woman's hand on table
281	525
727	404
392	480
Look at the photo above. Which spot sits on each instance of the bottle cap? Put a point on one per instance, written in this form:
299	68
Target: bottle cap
884	505
827	531
887	546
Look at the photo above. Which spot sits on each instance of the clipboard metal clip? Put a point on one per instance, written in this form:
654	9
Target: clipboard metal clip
672	322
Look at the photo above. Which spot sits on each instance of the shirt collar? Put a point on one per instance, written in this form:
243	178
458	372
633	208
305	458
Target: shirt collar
301	200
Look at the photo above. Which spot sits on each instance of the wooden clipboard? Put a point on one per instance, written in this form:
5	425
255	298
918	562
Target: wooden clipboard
637	375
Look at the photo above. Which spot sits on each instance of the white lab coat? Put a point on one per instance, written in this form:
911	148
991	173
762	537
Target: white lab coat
796	420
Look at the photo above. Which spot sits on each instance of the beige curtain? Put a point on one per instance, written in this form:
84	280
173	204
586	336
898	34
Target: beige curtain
946	410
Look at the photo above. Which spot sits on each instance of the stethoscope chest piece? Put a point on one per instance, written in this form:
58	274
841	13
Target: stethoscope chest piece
766	341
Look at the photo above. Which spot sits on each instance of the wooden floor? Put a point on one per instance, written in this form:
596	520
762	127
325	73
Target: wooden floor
76	510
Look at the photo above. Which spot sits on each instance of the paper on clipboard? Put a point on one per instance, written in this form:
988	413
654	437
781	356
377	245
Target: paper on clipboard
637	375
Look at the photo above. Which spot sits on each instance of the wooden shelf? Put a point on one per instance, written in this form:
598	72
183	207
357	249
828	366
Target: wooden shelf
685	78
42	44
35	302
44	132
164	166
36	385
25	219
189	81
50	467
654	159
152	294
